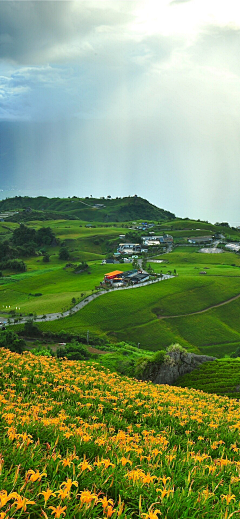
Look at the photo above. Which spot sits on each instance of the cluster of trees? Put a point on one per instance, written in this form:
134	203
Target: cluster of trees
27	235
13	264
11	341
74	351
24	243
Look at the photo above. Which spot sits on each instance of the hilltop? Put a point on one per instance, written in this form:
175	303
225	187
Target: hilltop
87	209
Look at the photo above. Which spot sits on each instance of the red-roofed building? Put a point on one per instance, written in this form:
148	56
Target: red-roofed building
112	275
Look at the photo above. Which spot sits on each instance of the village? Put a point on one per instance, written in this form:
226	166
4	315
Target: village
129	253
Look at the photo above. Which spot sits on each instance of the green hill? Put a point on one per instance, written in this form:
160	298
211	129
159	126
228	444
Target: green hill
221	377
87	209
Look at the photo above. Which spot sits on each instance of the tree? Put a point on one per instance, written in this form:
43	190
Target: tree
23	235
144	261
64	253
135	264
46	258
31	329
11	341
74	351
45	236
149	268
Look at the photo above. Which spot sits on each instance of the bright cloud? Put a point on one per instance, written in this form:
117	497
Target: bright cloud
128	90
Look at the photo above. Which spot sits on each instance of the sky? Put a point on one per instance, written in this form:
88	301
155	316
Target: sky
123	97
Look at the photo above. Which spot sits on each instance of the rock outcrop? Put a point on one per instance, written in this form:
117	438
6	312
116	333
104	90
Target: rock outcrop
177	363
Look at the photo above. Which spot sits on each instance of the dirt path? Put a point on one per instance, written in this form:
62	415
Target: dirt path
200	311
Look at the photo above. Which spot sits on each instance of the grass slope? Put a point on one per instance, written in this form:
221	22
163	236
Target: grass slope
220	377
134	315
57	285
80	442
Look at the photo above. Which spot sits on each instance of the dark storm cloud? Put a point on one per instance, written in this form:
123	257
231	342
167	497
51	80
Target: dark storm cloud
33	32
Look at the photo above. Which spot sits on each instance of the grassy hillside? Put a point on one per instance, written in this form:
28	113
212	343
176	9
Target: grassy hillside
55	285
80	442
219	377
145	315
184	309
114	210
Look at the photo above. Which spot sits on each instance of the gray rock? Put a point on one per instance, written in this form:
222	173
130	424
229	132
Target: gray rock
177	364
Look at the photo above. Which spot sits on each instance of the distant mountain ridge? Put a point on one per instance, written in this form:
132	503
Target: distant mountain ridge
87	209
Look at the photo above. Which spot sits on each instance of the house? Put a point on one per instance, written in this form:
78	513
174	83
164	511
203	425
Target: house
112	275
157	240
129	273
109	261
128	248
139	278
200	239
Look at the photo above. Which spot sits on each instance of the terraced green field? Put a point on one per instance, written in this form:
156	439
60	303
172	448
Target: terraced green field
145	315
219	377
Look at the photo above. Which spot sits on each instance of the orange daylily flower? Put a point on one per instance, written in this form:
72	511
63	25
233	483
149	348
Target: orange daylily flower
58	511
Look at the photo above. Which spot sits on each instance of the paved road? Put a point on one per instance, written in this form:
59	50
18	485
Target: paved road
58	315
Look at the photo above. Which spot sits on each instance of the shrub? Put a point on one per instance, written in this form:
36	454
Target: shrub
236	353
176	347
64	253
140	366
44	352
159	357
74	351
46	258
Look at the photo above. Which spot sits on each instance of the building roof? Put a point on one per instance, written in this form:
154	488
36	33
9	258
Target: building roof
113	274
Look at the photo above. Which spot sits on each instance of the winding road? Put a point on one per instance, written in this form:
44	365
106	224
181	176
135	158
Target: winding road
60	315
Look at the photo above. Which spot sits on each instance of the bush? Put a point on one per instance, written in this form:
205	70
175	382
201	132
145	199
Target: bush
176	347
18	265
64	253
46	258
159	357
74	351
236	353
140	366
41	351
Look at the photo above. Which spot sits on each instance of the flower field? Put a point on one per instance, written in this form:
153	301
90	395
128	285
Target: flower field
78	441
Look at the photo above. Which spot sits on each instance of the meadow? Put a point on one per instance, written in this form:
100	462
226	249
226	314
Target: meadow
80	442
